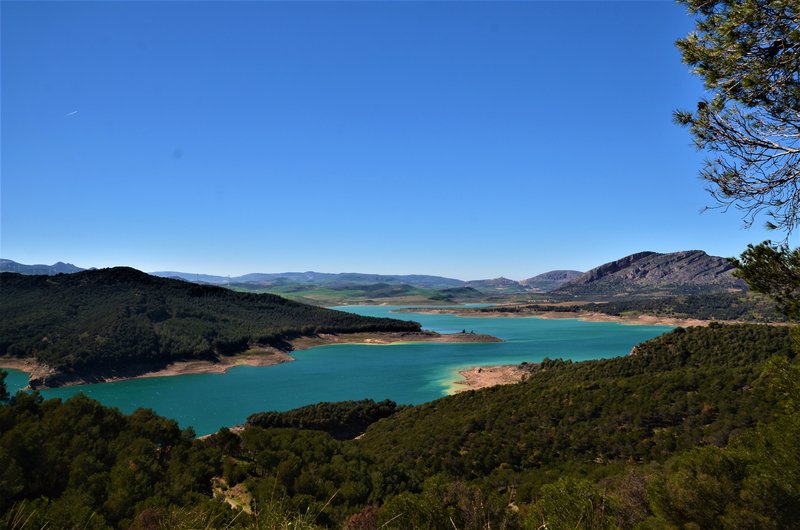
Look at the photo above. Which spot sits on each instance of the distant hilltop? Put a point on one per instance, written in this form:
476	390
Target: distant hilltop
650	273
502	285
550	281
318	278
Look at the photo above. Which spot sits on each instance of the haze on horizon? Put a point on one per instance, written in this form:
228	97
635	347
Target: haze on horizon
468	140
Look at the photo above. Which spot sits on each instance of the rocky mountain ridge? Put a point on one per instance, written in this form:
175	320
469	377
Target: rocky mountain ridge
686	272
642	273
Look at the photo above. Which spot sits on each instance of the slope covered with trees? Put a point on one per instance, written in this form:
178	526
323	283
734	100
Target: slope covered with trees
120	317
697	427
342	420
689	387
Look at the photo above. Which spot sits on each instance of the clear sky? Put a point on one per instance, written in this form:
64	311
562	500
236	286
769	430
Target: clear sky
469	140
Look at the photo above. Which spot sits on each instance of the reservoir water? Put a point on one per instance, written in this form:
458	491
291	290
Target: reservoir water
405	373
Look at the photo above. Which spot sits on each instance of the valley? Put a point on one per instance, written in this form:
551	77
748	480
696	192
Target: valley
464	378
400	265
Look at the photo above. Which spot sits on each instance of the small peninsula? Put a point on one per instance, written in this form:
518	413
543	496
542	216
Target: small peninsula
43	376
120	323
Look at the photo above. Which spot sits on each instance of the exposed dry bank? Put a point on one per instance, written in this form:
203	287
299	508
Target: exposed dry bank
479	377
588	316
41	376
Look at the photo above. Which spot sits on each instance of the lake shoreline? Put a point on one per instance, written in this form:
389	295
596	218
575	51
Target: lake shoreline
586	316
42	377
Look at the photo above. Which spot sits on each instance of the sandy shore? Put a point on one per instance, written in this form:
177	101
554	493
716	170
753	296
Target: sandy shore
23	365
261	356
644	320
486	376
252	357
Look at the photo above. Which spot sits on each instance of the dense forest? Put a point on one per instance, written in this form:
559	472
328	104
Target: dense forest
115	317
342	420
675	435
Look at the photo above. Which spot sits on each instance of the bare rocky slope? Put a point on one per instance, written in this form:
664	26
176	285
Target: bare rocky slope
649	273
549	281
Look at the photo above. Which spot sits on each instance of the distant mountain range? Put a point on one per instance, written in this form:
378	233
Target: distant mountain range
317	278
265	279
6	265
687	272
643	273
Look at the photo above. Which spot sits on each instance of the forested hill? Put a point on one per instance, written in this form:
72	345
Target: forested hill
688	387
691	431
121	318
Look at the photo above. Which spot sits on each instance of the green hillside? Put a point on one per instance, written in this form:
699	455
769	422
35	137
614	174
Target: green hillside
685	388
342	420
120	317
696	429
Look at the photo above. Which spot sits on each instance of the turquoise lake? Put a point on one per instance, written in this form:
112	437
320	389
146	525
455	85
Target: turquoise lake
405	373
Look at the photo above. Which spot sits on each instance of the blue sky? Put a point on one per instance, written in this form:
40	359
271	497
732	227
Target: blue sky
470	140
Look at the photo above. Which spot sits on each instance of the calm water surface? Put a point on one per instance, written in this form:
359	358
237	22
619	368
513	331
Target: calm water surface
405	373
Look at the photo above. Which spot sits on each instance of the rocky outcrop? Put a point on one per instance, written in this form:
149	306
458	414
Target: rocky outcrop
687	272
550	281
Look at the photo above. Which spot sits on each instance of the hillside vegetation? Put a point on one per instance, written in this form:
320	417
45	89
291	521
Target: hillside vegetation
685	388
696	429
746	307
342	420
120	317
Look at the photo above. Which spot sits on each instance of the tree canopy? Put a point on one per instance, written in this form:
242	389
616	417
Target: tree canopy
748	54
775	271
697	429
121	319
